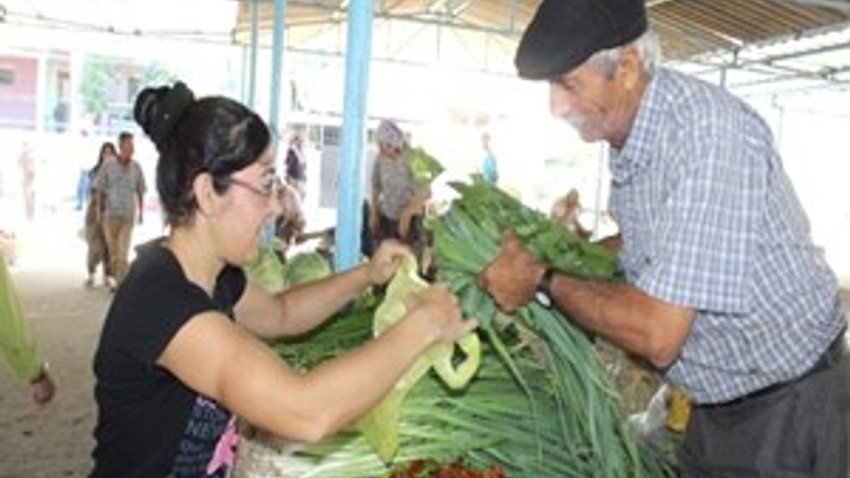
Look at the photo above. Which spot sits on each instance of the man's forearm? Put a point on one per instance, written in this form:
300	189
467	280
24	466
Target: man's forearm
625	315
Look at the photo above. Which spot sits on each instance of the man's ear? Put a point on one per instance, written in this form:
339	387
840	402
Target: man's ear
630	67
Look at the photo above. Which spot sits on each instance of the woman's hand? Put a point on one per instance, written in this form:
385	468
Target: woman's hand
438	309
386	260
374	223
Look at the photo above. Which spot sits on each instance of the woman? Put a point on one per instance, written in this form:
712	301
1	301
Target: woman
397	203
182	351
296	166
95	238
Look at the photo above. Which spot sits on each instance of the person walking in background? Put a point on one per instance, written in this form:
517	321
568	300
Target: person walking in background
296	165
489	168
95	236
27	167
120	185
725	291
290	224
17	347
184	348
566	211
397	205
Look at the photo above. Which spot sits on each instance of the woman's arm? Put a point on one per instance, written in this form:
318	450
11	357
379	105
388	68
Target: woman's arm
302	308
299	309
219	359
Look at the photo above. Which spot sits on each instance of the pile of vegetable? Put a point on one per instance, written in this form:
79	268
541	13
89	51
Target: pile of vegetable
275	275
541	403
588	413
379	426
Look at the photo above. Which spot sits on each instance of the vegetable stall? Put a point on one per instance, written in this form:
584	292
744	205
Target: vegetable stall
525	396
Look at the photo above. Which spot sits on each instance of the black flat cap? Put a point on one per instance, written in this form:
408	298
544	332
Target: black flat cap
565	33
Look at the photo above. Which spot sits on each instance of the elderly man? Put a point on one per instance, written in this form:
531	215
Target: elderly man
724	292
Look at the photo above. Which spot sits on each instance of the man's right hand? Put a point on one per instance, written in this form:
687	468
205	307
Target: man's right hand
513	276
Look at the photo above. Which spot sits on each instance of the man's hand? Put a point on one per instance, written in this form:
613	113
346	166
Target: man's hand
513	276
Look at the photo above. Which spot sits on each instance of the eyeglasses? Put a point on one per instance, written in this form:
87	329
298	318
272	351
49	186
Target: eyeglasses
270	187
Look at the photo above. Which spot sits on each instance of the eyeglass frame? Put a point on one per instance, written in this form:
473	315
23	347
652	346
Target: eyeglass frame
274	187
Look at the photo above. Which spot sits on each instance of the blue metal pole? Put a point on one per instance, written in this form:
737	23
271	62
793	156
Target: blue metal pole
255	45
350	197
277	68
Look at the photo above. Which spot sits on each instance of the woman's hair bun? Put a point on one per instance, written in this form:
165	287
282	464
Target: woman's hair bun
157	110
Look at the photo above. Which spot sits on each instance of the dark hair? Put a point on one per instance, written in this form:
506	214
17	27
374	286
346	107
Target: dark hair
103	147
216	135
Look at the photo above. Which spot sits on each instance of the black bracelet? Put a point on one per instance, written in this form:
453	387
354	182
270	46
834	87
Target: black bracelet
545	283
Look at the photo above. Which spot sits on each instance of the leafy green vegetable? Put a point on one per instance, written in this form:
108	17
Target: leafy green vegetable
424	166
541	403
267	270
379	426
305	267
588	413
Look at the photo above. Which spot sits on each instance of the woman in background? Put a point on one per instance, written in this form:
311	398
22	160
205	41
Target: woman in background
94	235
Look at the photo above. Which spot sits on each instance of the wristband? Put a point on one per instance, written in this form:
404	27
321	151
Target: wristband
543	294
545	283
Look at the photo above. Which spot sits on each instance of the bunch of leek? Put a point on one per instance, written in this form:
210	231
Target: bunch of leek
588	411
541	403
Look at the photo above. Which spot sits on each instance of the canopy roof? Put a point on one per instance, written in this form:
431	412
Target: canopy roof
686	27
753	41
799	43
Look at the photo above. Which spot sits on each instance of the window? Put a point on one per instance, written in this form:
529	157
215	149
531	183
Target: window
7	76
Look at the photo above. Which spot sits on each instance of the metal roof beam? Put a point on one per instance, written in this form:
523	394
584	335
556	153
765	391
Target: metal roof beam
833	4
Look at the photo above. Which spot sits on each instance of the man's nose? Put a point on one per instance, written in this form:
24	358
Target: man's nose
560	101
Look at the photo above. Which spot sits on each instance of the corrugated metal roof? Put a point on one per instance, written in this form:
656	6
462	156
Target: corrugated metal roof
751	41
686	27
692	27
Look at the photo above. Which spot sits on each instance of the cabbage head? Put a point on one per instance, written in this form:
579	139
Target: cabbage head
305	267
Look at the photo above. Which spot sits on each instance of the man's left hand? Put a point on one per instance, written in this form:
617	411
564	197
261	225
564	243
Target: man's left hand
513	276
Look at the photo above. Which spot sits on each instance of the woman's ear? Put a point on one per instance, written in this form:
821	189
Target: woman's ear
204	192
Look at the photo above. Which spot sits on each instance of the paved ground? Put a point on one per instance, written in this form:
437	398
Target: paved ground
54	441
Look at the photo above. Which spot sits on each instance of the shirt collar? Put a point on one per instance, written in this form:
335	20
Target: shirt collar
636	154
